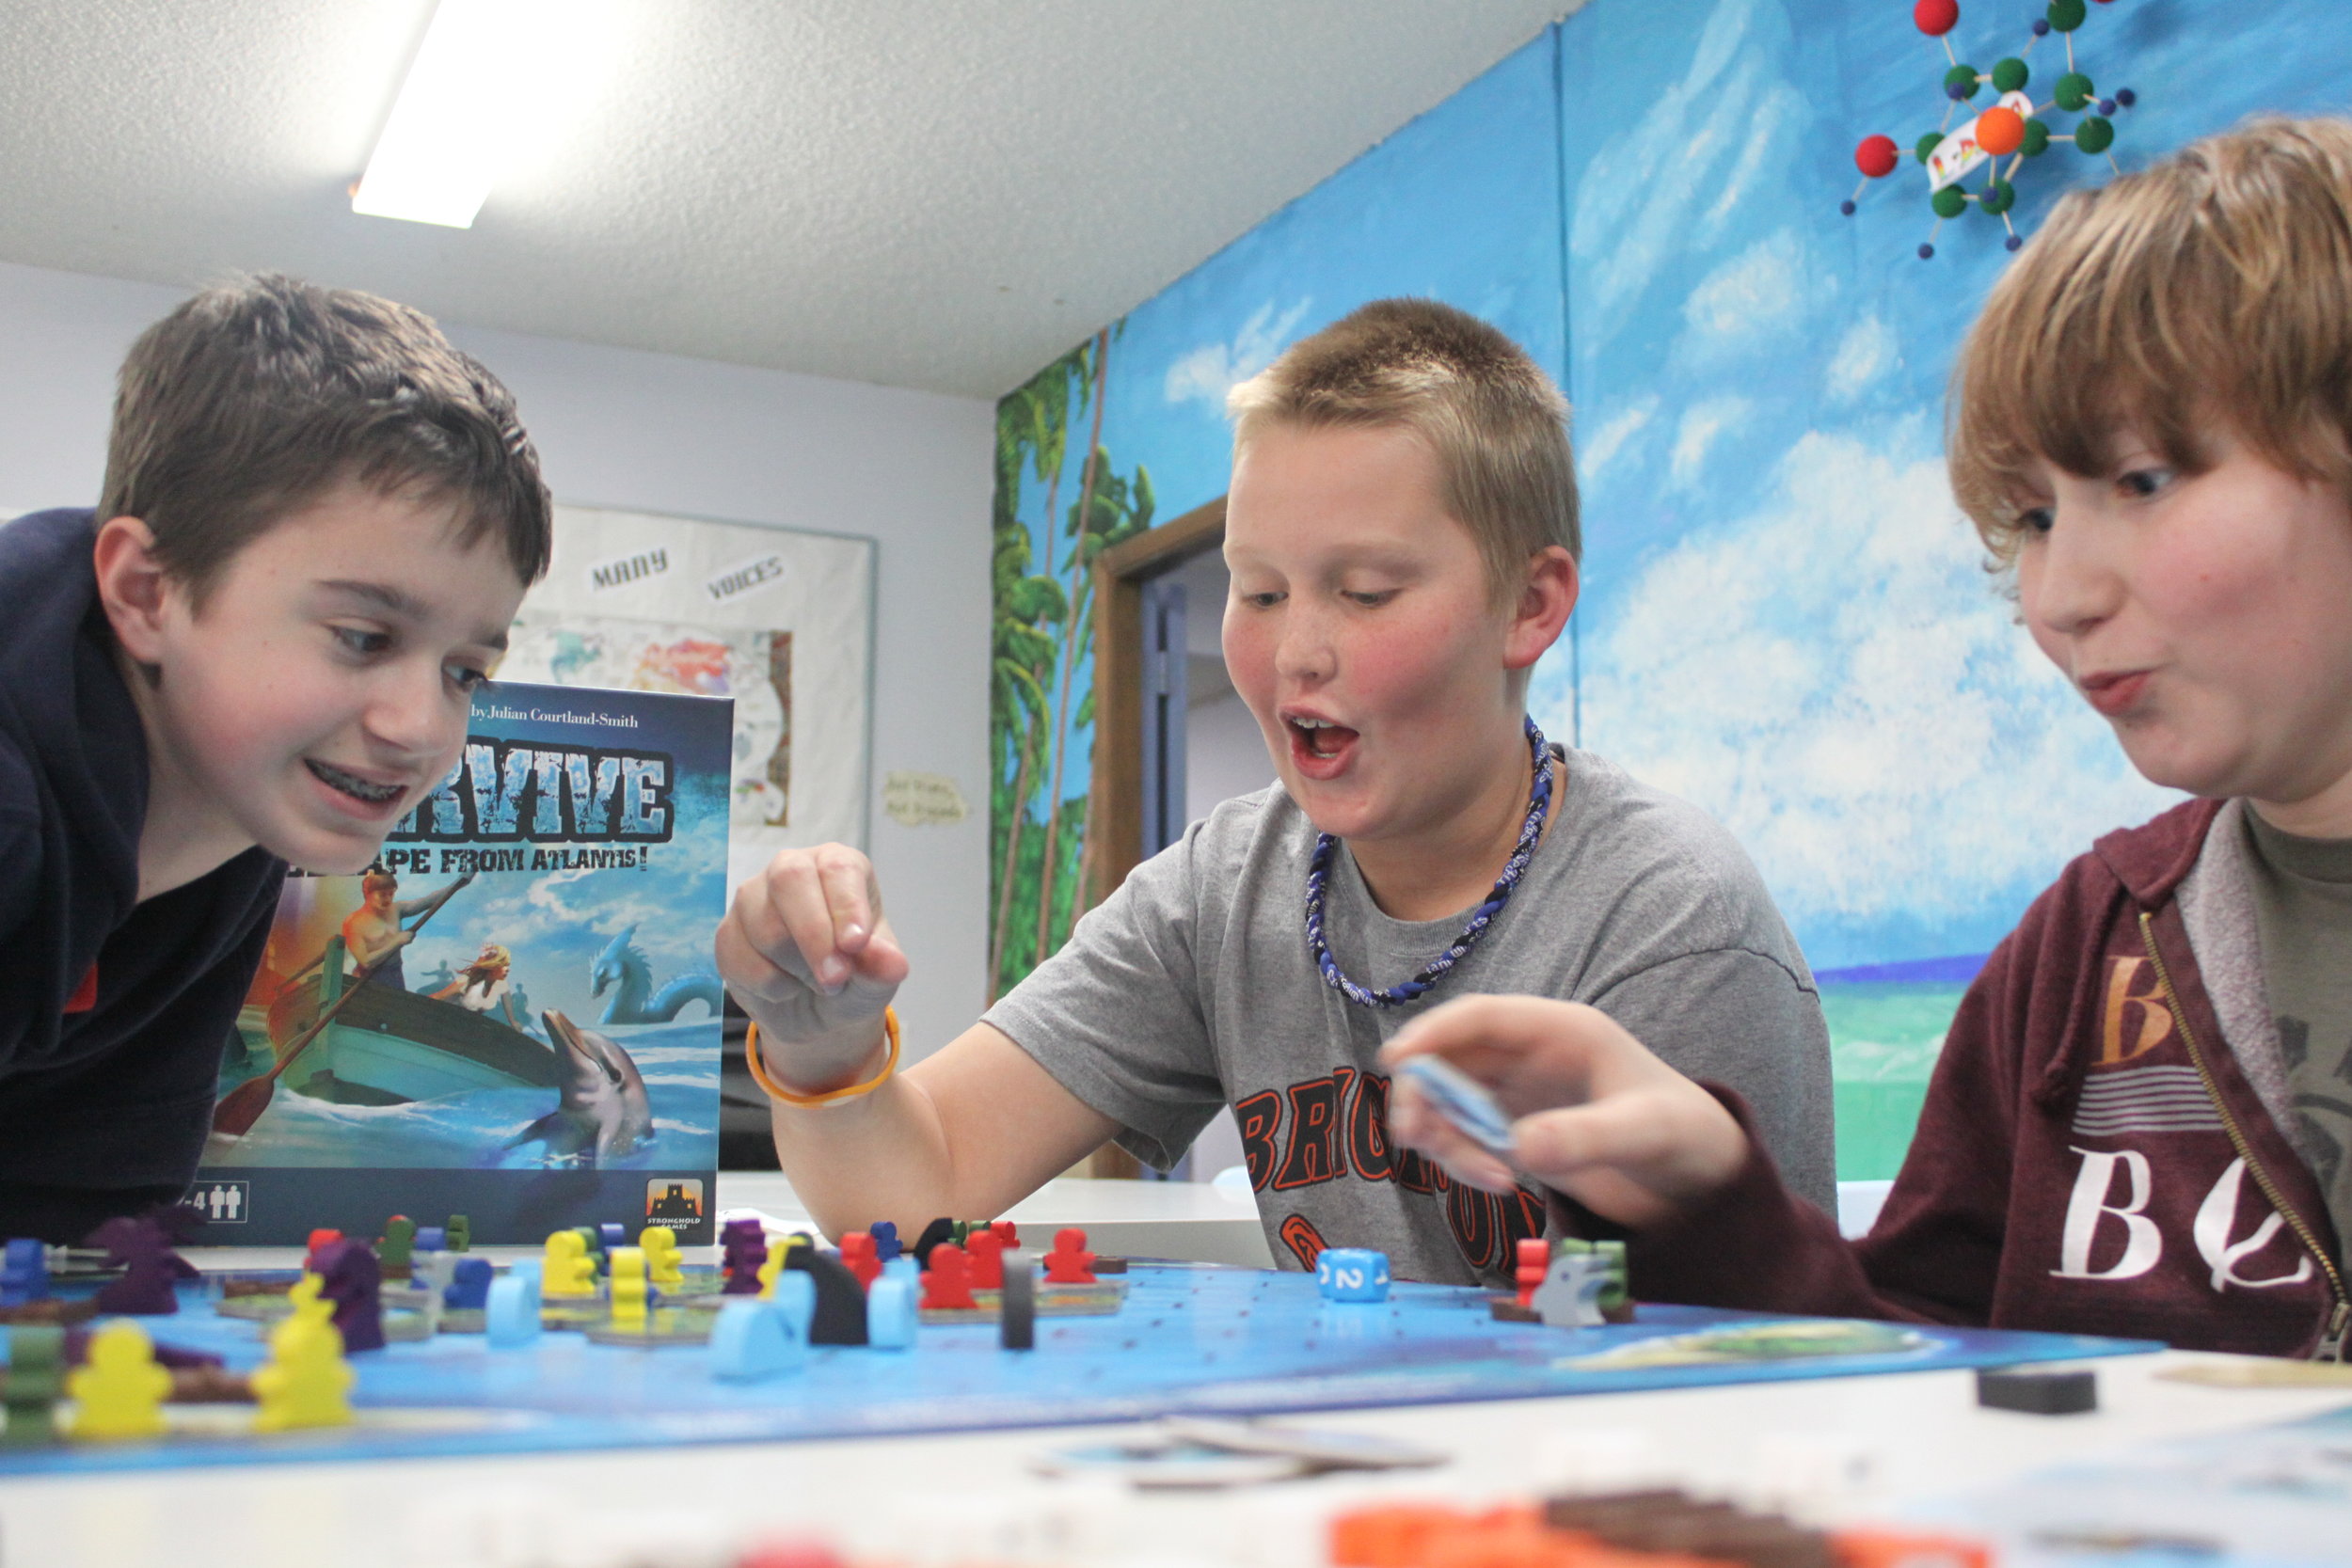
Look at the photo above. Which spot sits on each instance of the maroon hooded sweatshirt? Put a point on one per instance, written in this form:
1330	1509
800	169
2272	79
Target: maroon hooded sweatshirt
2093	1156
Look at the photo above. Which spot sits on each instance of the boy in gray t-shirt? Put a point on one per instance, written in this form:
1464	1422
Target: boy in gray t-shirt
1402	535
1190	988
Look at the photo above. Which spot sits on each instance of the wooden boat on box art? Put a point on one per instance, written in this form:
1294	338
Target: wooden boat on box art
388	1046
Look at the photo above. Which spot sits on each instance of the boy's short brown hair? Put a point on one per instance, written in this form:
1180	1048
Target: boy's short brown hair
2214	288
1496	423
379	881
256	398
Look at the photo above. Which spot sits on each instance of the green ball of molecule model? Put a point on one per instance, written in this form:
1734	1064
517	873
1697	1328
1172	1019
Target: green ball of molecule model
2073	90
1960	82
2067	15
2037	140
1998	198
1949	202
1927	144
2095	134
2010	75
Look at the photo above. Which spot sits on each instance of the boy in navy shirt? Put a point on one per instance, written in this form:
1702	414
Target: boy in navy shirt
317	521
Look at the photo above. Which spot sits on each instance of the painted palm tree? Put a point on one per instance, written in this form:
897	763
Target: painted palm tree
1031	432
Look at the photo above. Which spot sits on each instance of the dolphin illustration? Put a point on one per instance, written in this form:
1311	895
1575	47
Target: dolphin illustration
603	1114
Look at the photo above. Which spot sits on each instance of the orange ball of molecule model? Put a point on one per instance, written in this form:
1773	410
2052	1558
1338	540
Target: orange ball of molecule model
2000	132
1877	156
1936	17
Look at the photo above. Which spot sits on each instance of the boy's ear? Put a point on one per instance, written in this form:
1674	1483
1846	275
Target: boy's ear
1545	602
133	586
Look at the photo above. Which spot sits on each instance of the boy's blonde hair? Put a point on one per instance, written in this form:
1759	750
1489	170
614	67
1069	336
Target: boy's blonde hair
1495	422
2214	288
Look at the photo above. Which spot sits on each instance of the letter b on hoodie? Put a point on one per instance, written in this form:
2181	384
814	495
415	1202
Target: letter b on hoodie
2089	1208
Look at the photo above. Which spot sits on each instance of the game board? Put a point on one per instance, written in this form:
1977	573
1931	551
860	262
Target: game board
1191	1338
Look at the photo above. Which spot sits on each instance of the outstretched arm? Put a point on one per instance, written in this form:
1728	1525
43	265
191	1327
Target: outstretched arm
807	953
1617	1132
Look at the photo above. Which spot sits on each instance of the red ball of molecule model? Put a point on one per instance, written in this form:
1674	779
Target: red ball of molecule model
1877	156
1936	17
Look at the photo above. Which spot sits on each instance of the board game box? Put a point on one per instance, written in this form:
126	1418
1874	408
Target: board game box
515	1014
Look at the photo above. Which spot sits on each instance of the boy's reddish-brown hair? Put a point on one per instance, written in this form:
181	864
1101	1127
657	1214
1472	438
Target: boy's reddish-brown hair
1495	421
2211	290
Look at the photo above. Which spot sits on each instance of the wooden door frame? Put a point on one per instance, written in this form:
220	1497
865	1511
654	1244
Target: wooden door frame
1115	841
1114	810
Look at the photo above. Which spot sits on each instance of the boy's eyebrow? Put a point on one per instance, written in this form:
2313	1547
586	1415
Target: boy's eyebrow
408	606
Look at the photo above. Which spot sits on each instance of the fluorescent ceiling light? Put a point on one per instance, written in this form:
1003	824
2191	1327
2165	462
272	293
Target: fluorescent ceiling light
479	80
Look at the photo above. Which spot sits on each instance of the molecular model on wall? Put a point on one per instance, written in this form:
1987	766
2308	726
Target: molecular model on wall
2013	127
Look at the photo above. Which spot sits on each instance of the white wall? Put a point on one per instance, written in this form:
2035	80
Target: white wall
659	434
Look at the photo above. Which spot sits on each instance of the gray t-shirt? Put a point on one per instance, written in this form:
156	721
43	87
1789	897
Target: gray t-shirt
1192	987
2303	906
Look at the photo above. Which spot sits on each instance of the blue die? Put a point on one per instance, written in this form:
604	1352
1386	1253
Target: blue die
1352	1273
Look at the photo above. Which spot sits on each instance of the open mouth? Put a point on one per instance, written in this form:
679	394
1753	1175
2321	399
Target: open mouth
1319	739
362	790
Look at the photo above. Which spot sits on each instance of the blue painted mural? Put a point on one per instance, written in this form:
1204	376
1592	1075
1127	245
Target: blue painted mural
1785	619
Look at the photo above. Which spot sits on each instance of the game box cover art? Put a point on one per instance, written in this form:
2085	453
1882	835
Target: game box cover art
515	1014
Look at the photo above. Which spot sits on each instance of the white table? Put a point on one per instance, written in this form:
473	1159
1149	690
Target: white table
928	1502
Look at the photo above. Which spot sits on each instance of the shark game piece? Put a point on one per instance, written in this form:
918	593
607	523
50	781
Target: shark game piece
1462	1101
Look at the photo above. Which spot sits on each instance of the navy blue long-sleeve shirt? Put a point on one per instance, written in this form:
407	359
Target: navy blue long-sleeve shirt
103	1110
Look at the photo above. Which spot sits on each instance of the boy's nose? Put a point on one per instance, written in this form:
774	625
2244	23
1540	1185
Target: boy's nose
2077	585
413	713
1304	652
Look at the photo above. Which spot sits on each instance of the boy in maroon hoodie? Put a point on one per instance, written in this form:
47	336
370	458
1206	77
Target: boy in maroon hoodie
2138	1122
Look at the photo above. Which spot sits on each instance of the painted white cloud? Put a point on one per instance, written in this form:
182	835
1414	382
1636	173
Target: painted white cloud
1596	453
1678	174
1206	373
1836	678
1757	295
1865	353
1703	424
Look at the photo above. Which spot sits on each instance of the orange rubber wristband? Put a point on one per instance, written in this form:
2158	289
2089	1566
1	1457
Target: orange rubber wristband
831	1097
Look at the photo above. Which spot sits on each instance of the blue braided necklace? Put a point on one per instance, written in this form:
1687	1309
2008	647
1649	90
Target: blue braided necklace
1319	882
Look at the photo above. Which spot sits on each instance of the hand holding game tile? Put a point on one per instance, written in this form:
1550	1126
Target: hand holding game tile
1594	1114
806	950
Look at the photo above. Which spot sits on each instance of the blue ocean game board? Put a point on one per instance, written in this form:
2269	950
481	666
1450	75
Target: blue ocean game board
1190	1338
